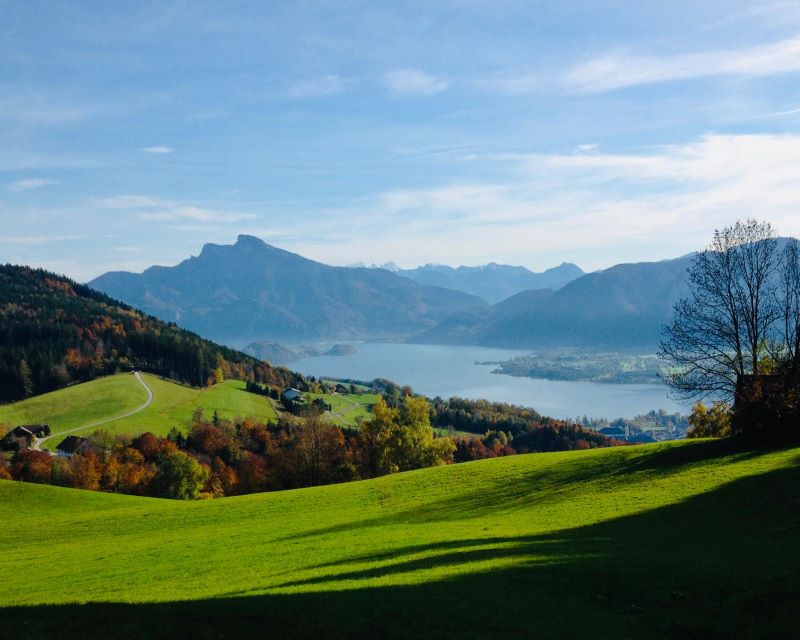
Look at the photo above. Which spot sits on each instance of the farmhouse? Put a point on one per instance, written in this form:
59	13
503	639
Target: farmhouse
23	436
292	394
36	430
73	444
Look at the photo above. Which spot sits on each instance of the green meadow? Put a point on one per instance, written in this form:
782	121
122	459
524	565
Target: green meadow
676	540
117	395
347	409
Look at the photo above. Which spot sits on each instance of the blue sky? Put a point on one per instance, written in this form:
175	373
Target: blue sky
456	132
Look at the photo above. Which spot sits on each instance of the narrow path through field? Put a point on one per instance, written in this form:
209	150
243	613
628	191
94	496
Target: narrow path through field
339	414
38	443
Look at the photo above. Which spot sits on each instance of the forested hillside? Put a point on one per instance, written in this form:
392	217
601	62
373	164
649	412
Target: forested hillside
54	332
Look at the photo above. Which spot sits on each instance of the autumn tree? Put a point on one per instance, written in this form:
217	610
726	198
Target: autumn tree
374	436
320	452
86	471
103	442
413	445
401	439
178	475
710	422
31	466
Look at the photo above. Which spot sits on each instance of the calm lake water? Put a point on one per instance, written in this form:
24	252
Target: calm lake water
446	371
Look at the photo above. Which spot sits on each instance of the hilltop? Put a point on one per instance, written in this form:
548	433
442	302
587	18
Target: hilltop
253	291
686	540
55	332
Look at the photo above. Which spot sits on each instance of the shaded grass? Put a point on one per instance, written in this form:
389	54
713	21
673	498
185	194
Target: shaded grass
680	540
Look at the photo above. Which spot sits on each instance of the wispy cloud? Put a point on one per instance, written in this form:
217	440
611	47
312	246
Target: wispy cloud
29	183
36	240
780	114
620	70
196	214
131	202
414	82
160	210
39	108
326	85
157	149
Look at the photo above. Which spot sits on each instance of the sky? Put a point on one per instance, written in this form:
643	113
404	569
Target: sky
457	132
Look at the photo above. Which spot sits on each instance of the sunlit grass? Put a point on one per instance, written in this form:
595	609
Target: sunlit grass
172	405
621	535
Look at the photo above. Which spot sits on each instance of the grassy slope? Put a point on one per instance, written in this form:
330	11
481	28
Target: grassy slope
115	395
662	541
347	409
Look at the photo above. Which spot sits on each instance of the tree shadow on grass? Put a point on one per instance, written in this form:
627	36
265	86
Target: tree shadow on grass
537	486
718	565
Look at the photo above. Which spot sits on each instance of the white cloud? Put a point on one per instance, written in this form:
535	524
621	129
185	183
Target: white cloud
29	183
414	81
326	85
594	208
619	70
157	149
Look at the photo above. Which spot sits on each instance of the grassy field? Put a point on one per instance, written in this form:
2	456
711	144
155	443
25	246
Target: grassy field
673	540
347	409
172	405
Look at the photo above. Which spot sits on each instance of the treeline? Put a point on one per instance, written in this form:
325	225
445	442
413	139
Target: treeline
225	457
480	416
54	332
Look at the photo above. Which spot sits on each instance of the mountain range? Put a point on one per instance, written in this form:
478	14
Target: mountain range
251	291
492	282
622	307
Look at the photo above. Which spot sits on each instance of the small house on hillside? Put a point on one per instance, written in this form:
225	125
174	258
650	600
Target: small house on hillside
293	395
23	436
72	445
36	430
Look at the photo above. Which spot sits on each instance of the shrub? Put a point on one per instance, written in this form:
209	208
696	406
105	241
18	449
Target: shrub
710	422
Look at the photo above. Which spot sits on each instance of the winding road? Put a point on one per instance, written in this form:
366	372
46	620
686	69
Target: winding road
38	443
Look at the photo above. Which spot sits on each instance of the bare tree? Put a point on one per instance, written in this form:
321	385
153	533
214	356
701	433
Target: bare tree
790	307
726	326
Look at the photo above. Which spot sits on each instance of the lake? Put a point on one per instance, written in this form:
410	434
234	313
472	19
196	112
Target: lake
446	371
